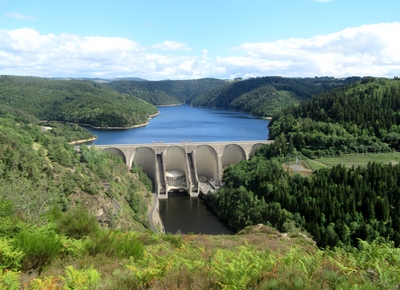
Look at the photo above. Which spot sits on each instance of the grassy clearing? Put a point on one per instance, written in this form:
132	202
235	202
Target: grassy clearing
360	159
306	166
302	167
347	160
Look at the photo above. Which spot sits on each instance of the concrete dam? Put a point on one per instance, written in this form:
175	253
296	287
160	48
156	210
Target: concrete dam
185	167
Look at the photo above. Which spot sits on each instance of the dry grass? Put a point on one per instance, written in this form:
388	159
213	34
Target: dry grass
301	167
261	237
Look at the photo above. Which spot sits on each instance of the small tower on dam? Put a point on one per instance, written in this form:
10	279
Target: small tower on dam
195	168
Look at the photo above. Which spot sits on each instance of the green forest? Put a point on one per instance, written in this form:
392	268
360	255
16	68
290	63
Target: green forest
166	92
74	101
77	219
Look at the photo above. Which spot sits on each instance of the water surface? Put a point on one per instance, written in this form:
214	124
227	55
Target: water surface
183	123
185	214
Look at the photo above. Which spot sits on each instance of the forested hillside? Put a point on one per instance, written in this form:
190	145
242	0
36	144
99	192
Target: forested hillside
73	101
338	205
166	92
41	172
363	117
267	95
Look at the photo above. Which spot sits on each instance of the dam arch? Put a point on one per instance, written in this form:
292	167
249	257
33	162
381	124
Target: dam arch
232	154
145	158
254	148
116	152
176	171
206	159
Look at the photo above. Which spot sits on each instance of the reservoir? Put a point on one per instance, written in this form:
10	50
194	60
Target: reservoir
176	124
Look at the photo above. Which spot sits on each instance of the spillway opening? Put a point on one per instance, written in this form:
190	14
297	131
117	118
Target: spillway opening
176	178
178	192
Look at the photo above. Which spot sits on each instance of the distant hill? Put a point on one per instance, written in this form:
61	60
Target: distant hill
76	101
258	96
167	92
126	103
101	80
267	95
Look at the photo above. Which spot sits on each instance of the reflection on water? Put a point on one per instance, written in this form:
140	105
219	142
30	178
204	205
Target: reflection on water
185	214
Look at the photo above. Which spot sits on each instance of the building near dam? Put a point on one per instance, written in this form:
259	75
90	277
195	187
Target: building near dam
195	168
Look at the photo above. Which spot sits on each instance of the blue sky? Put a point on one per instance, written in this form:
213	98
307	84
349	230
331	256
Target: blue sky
186	39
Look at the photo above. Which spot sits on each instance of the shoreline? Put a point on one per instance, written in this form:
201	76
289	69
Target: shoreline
171	105
121	128
82	141
154	217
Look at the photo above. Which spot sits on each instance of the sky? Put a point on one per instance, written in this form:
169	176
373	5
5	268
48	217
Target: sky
191	39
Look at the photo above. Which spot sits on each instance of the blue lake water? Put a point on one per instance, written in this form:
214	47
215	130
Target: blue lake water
183	123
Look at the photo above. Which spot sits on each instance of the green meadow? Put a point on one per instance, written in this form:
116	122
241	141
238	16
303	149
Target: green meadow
350	160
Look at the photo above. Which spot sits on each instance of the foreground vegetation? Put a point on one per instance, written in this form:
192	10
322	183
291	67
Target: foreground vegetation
62	256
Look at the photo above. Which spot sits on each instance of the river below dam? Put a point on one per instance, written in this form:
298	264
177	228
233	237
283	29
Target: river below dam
176	124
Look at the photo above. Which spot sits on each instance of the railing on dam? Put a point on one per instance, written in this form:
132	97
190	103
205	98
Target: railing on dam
193	161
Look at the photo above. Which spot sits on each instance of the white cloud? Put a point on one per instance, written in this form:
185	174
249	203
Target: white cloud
322	0
171	45
366	50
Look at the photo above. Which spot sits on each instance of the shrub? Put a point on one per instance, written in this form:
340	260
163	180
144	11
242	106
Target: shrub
116	244
175	240
73	247
77	223
11	225
40	247
6	208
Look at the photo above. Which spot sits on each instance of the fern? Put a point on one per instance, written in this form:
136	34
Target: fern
10	259
81	279
9	280
48	283
237	270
